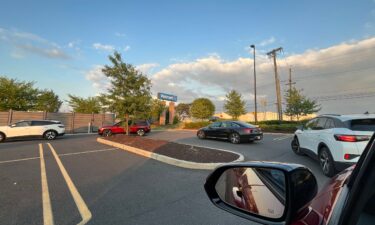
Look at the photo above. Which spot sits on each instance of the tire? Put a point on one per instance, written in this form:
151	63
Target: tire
50	135
201	134
326	162
234	138
2	137
107	133
296	147
141	132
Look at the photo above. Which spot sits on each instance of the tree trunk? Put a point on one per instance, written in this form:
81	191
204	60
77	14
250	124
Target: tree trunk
127	123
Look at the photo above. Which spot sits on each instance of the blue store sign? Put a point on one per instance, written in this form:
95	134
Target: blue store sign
167	97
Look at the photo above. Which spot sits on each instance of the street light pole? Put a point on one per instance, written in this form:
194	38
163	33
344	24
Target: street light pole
255	86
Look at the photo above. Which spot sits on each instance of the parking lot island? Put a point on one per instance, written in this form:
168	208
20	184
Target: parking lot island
181	155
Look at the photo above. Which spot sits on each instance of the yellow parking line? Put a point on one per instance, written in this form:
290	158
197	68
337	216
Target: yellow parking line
18	160
282	137
80	203
47	208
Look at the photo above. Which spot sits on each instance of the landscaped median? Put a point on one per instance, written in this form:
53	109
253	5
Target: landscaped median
181	155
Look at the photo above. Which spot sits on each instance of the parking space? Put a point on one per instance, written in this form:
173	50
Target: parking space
75	180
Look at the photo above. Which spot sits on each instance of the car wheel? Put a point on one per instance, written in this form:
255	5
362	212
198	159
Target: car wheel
201	134
2	137
296	147
50	135
234	138
141	132
107	133
326	162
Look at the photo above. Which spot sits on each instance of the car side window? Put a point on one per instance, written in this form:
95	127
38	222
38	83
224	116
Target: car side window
40	123
22	124
311	124
215	125
329	124
320	124
235	125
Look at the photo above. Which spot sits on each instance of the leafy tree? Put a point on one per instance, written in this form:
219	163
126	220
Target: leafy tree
234	105
299	105
16	95
85	105
157	108
47	100
129	94
202	108
183	110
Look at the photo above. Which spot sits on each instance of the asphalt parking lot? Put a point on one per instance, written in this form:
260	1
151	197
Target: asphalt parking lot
75	180
100	185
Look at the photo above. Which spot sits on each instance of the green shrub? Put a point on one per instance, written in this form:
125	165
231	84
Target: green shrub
280	128
196	125
175	119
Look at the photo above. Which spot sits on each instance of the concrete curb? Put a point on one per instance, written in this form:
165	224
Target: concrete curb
166	159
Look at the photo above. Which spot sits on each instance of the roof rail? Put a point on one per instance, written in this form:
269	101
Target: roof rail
330	114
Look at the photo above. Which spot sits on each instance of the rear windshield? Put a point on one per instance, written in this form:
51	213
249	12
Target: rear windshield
363	125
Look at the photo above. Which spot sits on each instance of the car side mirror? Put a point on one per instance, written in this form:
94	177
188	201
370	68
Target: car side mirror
12	125
266	193
300	127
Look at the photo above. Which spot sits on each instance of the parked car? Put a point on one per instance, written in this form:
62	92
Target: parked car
336	141
48	129
235	131
140	127
283	194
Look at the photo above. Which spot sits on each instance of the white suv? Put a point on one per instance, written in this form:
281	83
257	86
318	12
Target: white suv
336	141
47	129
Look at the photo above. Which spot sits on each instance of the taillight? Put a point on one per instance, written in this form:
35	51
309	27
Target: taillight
61	126
351	138
248	130
350	156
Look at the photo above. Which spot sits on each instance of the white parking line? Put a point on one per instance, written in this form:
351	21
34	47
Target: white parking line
80	203
47	208
282	137
66	154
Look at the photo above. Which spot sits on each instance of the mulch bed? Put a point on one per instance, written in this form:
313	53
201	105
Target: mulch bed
175	150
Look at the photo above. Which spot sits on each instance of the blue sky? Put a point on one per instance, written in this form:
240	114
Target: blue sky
163	33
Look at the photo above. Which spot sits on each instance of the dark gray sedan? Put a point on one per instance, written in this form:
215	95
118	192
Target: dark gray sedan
234	131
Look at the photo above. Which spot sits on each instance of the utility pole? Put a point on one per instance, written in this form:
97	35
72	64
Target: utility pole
290	83
277	81
255	87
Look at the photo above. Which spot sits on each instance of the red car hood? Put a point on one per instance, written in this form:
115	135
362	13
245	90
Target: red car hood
320	209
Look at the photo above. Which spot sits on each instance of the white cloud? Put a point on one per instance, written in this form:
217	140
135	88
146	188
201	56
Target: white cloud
126	48
344	68
24	43
99	81
268	41
147	68
104	47
119	34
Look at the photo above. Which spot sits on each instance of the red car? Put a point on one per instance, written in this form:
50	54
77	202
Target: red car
138	127
282	193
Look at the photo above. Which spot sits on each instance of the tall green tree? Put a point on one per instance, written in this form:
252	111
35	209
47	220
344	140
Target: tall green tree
234	105
129	94
299	105
47	100
157	108
85	105
17	95
183	110
202	108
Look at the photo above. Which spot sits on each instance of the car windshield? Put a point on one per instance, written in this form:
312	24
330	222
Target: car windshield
115	112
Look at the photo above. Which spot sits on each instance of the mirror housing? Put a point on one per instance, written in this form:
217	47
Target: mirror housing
300	187
300	127
12	125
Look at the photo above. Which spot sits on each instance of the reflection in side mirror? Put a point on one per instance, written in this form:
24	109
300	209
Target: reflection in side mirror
259	191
